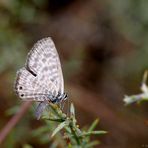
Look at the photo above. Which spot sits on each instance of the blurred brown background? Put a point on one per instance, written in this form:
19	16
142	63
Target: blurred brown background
103	47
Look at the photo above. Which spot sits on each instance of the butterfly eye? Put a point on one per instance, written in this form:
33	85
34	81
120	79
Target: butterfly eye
20	87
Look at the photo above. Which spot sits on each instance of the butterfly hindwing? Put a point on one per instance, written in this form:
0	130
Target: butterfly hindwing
28	87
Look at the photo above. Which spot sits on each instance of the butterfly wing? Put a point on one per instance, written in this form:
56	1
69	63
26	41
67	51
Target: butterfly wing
28	86
44	61
42	73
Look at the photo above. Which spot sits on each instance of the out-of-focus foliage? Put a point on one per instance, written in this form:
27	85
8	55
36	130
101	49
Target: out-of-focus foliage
130	18
104	50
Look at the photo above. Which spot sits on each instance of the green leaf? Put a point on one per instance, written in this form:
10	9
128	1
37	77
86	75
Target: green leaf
72	110
93	125
60	126
93	133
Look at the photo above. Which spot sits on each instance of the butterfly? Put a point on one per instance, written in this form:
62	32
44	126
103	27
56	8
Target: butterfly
41	79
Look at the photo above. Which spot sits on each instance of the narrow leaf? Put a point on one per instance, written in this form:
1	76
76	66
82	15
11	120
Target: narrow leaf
72	110
93	133
60	126
53	119
93	125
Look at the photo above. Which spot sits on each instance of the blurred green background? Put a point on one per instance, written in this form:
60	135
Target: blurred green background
103	47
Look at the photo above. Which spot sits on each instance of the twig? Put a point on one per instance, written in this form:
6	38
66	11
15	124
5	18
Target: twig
14	120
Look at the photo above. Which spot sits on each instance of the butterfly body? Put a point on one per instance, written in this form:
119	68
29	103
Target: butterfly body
55	99
41	78
58	98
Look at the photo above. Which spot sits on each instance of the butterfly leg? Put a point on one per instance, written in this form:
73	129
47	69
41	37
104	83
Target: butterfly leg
40	109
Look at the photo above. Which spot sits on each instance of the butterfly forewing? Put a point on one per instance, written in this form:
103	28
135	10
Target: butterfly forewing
42	74
44	61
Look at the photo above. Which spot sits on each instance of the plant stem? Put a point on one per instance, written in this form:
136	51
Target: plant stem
76	137
74	133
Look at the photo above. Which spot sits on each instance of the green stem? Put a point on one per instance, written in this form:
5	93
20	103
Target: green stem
57	119
74	133
58	111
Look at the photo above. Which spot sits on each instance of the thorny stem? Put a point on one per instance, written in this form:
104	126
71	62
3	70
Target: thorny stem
62	117
57	111
75	135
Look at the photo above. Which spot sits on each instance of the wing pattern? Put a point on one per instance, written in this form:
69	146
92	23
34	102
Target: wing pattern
42	73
